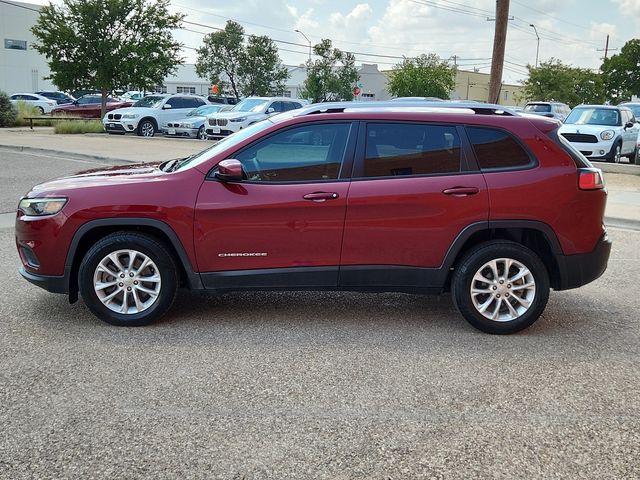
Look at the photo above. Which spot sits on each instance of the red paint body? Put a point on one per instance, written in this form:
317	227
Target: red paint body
88	110
404	221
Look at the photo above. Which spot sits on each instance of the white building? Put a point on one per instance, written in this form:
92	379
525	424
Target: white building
185	80
22	69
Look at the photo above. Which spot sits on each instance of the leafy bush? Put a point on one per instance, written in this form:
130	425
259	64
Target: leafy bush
79	126
7	111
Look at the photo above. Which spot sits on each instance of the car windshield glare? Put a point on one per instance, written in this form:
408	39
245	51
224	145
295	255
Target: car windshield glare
594	116
203	110
224	144
149	102
538	107
250	105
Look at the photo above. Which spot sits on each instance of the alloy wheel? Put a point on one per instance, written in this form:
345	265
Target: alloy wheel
503	289
127	282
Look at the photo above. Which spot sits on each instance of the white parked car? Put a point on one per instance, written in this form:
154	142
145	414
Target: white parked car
247	112
132	96
148	114
42	104
602	132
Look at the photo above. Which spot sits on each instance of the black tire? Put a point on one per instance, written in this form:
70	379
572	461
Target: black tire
202	135
633	158
615	153
40	110
146	128
473	261
154	250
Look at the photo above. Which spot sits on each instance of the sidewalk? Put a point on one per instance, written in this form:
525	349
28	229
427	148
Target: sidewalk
623	181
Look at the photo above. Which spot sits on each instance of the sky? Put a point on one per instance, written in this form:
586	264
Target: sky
382	31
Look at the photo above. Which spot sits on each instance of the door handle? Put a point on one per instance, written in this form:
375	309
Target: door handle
320	196
461	191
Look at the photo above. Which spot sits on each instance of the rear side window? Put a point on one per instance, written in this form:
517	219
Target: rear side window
496	149
402	149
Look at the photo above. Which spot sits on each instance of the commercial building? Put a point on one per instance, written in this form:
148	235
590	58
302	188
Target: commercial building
475	86
22	68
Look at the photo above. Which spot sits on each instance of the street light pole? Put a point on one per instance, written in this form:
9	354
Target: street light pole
307	39
538	37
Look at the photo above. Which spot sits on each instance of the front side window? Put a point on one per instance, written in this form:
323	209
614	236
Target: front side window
399	149
300	154
594	116
496	149
253	105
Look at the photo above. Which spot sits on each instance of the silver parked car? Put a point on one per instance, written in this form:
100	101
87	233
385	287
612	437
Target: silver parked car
192	126
556	110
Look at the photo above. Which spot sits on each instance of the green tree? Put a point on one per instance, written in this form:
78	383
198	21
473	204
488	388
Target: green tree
332	77
261	70
7	111
251	68
108	44
554	80
622	72
423	76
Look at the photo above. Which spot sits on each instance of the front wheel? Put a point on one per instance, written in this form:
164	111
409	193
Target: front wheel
500	287
615	154
146	128
202	135
128	279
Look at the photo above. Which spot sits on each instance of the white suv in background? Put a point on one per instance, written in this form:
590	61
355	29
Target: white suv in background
602	132
248	111
148	114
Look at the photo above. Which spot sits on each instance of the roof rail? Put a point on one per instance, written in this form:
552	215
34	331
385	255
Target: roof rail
339	107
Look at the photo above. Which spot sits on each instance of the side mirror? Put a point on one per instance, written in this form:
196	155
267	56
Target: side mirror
270	110
628	125
229	170
166	106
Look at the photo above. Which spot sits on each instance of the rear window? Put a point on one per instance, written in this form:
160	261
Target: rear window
496	149
537	107
401	149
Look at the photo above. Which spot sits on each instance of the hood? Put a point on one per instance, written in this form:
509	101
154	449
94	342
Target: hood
191	119
103	177
588	129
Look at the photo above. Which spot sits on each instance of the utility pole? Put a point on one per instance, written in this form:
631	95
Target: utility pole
455	61
499	43
606	48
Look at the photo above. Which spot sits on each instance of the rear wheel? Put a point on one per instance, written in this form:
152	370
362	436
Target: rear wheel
40	110
128	279
500	287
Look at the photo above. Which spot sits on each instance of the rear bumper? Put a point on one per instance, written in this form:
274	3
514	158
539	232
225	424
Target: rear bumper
578	270
52	284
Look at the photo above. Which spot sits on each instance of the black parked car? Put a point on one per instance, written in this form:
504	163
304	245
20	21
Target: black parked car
222	99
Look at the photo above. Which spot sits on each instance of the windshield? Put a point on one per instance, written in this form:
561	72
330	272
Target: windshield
250	105
151	101
203	110
594	116
224	144
636	111
538	107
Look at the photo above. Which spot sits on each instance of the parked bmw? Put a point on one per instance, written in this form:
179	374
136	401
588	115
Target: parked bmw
192	126
249	111
603	132
148	114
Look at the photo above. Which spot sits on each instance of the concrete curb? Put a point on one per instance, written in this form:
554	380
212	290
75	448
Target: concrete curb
622	168
626	223
80	156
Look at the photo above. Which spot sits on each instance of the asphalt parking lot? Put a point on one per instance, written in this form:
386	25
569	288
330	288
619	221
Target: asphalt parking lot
308	385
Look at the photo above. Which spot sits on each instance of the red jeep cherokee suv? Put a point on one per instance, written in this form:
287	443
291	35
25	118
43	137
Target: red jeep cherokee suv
493	206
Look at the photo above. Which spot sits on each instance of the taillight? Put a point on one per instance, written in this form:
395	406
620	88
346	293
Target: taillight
590	179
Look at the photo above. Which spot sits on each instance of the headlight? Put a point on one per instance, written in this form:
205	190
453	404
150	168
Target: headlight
130	115
607	135
41	206
241	119
186	125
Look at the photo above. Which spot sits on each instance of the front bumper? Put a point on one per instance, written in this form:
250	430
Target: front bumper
180	132
120	126
580	269
595	150
52	284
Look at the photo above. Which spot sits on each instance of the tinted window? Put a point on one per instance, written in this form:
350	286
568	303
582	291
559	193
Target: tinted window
398	149
310	152
177	102
191	102
496	149
278	106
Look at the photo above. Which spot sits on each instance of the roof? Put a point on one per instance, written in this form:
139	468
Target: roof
605	107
